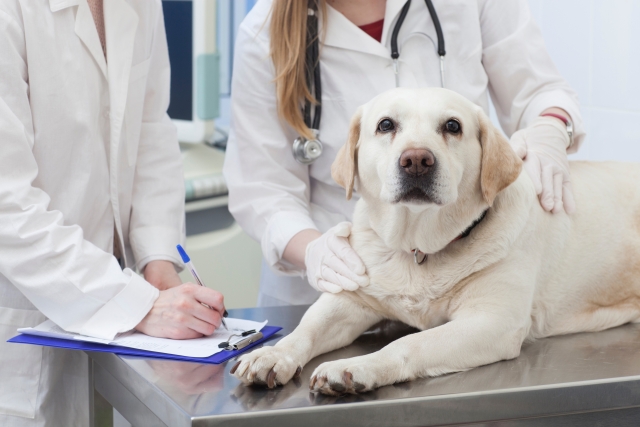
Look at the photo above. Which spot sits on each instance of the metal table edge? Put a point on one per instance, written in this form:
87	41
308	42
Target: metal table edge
385	405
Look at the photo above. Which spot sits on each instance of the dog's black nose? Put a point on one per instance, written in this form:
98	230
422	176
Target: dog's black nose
417	161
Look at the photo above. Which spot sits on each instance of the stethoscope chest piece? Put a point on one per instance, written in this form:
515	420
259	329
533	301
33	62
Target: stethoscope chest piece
307	151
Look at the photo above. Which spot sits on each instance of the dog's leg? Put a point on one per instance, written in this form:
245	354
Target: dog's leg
481	331
334	321
459	345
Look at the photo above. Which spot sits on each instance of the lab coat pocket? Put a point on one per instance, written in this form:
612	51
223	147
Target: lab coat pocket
20	364
135	105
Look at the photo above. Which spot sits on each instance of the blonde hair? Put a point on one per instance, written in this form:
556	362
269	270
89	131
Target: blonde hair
288	33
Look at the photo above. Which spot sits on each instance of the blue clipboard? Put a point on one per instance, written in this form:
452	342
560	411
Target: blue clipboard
220	357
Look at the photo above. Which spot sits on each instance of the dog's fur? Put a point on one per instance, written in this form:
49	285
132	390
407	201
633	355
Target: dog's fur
521	274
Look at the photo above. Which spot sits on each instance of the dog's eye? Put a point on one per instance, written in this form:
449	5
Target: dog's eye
452	126
386	125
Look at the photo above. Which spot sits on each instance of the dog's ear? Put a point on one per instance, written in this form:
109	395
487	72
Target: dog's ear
500	165
344	168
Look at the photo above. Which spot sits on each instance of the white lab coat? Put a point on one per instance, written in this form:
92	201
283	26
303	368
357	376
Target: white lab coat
494	48
86	147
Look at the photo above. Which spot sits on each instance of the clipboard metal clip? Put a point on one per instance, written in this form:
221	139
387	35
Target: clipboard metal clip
247	337
245	342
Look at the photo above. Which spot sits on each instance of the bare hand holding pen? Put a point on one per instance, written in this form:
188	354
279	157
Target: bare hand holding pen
178	313
186	311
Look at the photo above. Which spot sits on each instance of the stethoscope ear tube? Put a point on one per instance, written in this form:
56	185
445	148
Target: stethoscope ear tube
436	23
395	53
441	50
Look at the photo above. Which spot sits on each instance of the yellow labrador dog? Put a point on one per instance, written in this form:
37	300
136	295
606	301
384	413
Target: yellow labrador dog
456	244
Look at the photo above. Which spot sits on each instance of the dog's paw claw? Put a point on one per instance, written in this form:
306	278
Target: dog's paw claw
267	366
271	378
312	382
320	382
342	377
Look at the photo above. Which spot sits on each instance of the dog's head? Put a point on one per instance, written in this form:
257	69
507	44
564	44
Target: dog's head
424	147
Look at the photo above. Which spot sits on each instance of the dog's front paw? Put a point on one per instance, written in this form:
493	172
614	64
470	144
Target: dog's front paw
344	376
267	366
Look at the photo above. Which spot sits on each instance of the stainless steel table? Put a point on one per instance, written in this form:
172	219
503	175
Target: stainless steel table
590	379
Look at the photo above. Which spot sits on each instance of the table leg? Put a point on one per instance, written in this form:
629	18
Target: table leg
100	411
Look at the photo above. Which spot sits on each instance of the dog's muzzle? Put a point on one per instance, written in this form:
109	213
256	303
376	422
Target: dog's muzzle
418	170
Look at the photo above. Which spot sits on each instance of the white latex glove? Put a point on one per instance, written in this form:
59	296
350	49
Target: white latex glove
332	264
543	147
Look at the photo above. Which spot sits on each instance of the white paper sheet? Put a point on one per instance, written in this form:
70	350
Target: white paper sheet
197	347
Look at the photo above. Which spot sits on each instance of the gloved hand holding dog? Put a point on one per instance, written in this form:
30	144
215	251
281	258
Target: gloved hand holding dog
543	147
332	264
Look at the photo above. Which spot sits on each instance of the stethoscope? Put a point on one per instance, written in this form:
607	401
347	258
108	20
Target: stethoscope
307	151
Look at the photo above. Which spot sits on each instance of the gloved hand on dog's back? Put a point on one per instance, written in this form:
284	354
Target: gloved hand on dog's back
543	147
332	264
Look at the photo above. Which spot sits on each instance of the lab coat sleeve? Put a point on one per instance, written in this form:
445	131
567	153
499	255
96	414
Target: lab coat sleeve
268	189
71	281
523	81
157	214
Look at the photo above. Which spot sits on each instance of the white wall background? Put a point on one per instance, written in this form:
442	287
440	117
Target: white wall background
596	46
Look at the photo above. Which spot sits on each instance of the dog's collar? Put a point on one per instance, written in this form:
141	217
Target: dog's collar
417	253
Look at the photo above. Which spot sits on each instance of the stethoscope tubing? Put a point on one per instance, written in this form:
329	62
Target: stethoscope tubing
436	23
312	60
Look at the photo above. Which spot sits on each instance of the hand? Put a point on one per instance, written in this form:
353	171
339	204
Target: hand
178	313
332	264
162	275
543	147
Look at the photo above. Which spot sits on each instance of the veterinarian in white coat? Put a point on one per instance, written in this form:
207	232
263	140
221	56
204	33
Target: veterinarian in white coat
89	166
494	48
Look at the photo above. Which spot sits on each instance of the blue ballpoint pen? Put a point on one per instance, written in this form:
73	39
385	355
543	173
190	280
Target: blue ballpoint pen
194	273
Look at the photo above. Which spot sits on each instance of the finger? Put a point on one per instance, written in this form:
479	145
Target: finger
207	315
343	229
557	193
546	196
519	145
199	326
213	299
325	286
343	250
567	197
337	265
534	170
313	281
331	276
